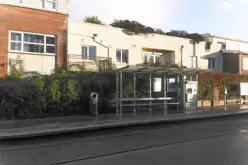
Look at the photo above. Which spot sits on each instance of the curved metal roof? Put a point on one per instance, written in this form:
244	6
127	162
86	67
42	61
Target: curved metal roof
158	69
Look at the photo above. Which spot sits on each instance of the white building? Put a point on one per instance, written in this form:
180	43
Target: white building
88	43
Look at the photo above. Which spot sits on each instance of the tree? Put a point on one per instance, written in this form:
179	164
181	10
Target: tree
184	34
93	19
134	27
160	31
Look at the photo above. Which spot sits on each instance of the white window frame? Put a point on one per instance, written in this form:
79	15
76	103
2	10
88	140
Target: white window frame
121	56
88	51
151	55
44	4
245	63
211	65
24	42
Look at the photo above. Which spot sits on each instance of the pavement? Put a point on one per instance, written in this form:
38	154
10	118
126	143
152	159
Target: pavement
217	141
50	126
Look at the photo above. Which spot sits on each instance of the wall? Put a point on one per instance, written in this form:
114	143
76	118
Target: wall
114	38
36	21
232	63
232	44
36	63
62	5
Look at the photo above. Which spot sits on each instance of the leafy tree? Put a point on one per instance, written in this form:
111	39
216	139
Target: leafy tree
160	31
93	19
134	27
184	34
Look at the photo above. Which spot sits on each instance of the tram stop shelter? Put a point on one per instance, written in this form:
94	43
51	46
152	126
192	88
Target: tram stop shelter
158	90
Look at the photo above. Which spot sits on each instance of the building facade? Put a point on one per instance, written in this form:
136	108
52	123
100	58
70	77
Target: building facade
36	31
88	43
234	55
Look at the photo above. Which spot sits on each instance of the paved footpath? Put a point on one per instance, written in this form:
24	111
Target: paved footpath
40	127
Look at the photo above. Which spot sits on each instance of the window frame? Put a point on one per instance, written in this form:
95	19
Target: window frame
210	66
245	61
44	4
88	52
121	50
154	58
26	42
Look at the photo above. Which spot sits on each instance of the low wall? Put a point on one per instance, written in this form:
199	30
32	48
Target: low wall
207	103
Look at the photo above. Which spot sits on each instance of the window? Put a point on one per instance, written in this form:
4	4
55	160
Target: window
89	52
122	56
211	63
49	4
245	63
32	43
152	59
18	2
145	59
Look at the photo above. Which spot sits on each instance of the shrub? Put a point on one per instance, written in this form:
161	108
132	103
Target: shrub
19	99
16	68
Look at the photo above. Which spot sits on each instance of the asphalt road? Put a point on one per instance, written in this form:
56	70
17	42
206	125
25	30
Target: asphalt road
222	141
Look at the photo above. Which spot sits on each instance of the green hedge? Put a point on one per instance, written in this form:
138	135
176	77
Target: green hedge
46	96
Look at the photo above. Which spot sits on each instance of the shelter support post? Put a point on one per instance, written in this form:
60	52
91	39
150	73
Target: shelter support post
165	93
150	91
182	94
178	93
196	97
121	93
117	93
134	92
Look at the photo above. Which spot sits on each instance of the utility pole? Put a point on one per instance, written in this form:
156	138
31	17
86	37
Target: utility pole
196	65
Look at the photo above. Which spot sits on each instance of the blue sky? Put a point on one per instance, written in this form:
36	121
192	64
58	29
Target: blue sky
217	17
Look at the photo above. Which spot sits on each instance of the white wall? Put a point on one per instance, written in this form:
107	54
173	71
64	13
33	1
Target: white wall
44	64
232	44
82	34
62	5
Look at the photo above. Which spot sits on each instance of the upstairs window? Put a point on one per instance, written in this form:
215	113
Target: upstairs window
49	4
122	56
211	63
32	43
89	52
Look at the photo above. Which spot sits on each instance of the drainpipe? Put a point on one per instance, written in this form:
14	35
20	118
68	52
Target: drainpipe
99	42
181	49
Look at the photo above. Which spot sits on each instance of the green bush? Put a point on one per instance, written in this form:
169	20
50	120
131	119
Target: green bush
44	96
16	68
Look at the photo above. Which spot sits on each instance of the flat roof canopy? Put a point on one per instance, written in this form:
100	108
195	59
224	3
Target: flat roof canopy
159	70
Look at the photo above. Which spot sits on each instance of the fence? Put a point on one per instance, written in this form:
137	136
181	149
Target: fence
89	63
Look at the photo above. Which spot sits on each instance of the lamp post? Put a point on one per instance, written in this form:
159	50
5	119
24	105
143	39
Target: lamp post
225	100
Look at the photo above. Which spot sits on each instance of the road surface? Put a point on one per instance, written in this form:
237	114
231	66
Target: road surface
222	141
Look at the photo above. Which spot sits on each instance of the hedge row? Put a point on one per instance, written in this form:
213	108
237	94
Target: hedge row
44	96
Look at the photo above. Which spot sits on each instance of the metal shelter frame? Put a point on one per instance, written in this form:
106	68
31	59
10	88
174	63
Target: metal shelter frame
178	73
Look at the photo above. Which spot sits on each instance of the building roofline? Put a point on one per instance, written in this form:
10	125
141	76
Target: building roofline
231	39
111	27
34	8
233	52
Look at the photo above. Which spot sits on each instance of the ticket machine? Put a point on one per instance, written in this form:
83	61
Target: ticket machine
191	94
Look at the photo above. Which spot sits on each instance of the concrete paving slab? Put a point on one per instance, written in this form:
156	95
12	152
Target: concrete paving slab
50	126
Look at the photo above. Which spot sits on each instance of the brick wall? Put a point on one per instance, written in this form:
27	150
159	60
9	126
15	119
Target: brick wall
35	21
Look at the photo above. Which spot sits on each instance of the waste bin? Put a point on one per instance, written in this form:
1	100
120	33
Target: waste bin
94	104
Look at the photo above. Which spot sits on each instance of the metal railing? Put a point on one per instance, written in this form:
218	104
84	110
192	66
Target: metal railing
81	62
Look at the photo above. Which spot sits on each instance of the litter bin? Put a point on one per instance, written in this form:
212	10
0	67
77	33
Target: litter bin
94	104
